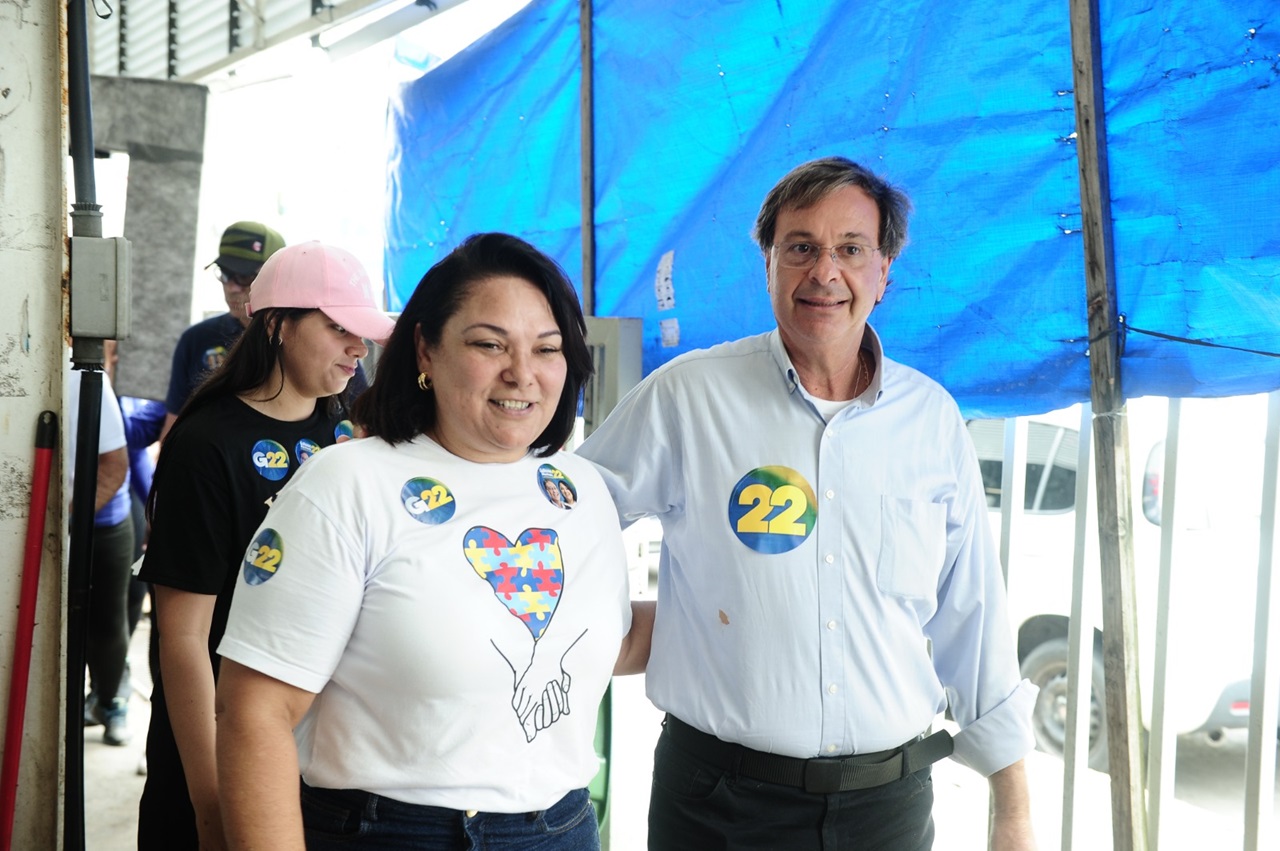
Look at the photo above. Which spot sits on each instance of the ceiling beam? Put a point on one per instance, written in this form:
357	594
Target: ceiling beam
332	16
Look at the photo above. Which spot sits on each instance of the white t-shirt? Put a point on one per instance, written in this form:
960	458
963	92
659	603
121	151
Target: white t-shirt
110	425
458	626
111	437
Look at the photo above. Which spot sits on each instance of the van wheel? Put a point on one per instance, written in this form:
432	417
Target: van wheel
1046	666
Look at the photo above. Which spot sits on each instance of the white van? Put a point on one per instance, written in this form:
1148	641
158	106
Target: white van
1214	566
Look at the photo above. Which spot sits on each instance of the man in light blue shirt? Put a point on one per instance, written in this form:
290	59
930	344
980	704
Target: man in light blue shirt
828	581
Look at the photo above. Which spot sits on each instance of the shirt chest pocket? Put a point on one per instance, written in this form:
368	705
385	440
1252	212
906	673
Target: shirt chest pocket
913	544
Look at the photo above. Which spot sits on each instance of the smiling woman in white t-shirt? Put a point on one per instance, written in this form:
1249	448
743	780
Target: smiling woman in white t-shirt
420	629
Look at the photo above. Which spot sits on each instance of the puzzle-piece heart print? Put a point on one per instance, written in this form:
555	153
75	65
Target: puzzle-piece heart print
526	576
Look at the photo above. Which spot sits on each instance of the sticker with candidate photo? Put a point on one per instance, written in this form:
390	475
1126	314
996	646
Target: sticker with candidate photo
214	357
305	449
428	501
263	558
772	509
557	487
343	431
271	460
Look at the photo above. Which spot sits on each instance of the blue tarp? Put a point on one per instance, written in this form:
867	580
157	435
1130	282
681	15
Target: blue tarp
969	106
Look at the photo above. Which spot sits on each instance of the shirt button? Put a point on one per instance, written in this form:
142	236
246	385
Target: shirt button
831	689
831	624
829	558
831	495
472	813
831	748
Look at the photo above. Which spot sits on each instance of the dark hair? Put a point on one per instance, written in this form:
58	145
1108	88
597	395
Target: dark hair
250	365
808	183
396	410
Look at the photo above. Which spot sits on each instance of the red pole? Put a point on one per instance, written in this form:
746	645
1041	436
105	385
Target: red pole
46	442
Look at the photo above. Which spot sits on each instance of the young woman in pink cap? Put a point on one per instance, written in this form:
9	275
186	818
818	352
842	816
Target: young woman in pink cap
277	399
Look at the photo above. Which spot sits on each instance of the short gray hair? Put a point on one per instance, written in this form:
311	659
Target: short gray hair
808	183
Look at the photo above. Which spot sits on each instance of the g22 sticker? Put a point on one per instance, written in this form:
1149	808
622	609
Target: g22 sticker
427	501
343	431
263	558
305	449
772	509
271	460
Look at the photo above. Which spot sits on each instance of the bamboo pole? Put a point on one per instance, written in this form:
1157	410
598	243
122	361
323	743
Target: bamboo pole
1119	617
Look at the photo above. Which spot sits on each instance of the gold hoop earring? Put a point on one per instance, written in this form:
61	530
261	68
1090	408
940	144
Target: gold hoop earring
424	381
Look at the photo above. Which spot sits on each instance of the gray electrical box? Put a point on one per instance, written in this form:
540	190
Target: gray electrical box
100	287
615	344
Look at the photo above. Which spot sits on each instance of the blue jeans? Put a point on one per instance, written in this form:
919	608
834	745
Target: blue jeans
696	806
348	819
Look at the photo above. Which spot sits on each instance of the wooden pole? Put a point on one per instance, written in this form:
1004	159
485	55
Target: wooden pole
1111	437
587	117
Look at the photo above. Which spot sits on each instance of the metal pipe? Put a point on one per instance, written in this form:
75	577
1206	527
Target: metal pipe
82	510
78	102
87	354
588	157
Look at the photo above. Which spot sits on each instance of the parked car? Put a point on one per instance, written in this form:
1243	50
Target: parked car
1214	560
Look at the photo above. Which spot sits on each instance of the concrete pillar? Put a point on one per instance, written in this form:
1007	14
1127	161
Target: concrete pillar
33	264
160	125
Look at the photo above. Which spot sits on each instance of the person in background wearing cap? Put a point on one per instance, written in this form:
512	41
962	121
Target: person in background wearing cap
279	397
245	246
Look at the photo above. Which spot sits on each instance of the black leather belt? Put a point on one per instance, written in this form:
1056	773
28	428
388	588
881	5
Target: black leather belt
821	775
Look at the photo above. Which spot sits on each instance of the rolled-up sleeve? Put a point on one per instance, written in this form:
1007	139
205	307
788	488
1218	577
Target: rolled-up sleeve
974	649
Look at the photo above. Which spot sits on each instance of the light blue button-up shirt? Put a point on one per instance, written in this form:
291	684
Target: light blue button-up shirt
808	564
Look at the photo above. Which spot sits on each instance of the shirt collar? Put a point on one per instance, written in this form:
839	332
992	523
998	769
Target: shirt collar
870	342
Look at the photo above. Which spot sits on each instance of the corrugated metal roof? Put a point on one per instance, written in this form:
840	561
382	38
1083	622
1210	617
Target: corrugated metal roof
199	42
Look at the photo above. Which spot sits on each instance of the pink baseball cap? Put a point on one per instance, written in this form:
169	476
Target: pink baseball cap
322	276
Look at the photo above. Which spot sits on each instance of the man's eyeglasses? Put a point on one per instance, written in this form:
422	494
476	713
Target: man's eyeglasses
238	280
849	256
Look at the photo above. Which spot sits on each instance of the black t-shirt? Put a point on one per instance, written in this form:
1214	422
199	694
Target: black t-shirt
219	470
